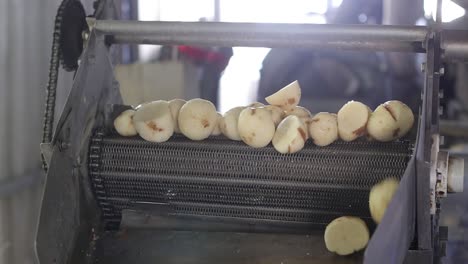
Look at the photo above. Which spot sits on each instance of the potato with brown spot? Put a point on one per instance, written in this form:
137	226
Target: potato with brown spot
197	119
403	115
153	121
256	127
323	129
174	106
287	98
123	124
290	135
390	121
352	120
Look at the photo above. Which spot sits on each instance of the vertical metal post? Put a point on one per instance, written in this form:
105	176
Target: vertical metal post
429	128
217	10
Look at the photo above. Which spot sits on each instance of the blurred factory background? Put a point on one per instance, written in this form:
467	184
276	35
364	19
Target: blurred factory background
231	77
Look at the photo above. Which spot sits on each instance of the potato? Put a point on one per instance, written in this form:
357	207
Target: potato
286	98
346	235
124	123
390	121
228	124
380	197
174	106
255	126
300	112
290	135
403	116
153	121
277	114
197	119
381	125
323	128
217	131
352	120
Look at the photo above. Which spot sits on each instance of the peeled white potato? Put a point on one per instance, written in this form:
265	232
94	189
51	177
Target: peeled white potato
197	119
290	135
390	121
346	235
323	128
352	120
153	121
286	98
228	124
174	106
217	131
124	123
381	125
277	114
256	127
380	197
300	112
403	116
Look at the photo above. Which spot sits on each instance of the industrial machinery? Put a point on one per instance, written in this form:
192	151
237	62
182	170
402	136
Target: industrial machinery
110	199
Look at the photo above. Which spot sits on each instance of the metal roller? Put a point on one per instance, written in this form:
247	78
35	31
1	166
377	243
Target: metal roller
233	182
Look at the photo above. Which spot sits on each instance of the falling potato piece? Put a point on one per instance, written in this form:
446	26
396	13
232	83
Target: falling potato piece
197	119
228	124
256	127
153	121
217	131
277	114
124	123
403	116
174	106
380	197
352	120
290	135
255	104
286	98
346	235
323	128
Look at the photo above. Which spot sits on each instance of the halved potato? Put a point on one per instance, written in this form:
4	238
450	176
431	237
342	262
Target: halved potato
286	98
352	120
153	121
197	119
256	127
290	135
323	128
346	235
124	123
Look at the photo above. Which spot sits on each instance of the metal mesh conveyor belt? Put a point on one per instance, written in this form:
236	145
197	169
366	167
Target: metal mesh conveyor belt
227	179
